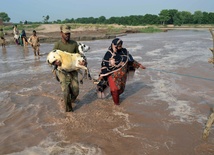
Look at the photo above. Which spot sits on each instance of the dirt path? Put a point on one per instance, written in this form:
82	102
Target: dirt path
51	33
45	28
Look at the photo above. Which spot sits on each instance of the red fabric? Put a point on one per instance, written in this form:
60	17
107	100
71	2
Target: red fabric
117	80
112	84
114	90
115	97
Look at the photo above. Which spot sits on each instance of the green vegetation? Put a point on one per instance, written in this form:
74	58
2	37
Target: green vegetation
22	27
150	30
114	30
165	17
4	17
147	23
29	27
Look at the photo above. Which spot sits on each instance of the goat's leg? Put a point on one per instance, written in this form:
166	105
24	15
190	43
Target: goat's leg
84	75
87	73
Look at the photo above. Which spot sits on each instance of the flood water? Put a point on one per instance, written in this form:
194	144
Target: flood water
163	110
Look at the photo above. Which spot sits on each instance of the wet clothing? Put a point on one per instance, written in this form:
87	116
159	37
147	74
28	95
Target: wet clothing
68	80
34	41
115	74
23	38
2	39
70	87
1	34
16	35
71	47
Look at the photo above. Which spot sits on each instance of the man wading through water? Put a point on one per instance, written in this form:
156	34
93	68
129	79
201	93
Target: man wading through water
68	80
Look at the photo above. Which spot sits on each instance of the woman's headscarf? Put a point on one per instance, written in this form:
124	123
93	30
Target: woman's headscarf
116	42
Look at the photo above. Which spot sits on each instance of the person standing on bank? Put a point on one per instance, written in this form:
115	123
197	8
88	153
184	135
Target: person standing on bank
68	80
116	64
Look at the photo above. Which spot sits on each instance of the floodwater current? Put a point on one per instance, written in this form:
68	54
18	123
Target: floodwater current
163	109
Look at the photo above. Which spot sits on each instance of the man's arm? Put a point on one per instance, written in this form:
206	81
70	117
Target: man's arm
76	48
30	39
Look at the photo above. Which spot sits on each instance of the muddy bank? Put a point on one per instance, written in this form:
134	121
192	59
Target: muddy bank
55	36
49	37
78	36
49	33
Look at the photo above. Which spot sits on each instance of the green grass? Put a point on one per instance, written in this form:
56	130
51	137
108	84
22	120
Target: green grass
150	30
21	27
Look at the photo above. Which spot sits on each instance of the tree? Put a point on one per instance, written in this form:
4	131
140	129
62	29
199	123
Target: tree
172	14
186	17
67	20
113	20
164	16
150	19
177	19
197	17
205	19
101	19
46	18
211	18
4	17
58	21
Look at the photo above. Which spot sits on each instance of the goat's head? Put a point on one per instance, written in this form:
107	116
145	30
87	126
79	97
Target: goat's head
53	57
83	48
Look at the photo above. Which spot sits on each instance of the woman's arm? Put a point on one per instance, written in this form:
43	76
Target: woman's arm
138	65
135	63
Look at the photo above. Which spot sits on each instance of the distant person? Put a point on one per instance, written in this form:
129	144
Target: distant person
16	34
2	39
116	64
23	38
68	80
34	42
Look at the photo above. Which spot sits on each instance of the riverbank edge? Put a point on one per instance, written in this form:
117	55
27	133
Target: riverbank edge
49	33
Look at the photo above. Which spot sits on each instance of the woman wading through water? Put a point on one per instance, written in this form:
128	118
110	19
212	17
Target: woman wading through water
116	64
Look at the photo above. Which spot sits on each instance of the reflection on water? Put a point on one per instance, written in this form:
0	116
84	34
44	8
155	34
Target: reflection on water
160	113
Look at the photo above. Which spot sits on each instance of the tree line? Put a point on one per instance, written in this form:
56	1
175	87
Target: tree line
171	16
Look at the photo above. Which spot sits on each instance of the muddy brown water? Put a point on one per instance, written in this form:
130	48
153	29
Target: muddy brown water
163	109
